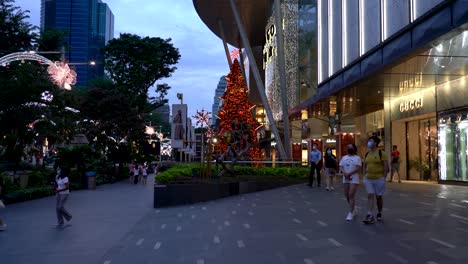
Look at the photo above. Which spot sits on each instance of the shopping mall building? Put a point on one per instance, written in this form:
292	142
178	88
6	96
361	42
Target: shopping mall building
353	68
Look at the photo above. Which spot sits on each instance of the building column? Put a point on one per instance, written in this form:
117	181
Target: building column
282	76
258	79
223	37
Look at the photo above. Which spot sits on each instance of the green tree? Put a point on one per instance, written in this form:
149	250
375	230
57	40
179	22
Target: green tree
17	33
135	64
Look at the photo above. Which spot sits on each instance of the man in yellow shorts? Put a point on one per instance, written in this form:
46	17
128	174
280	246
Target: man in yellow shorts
375	168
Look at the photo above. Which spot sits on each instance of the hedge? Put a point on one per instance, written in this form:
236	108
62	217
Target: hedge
183	171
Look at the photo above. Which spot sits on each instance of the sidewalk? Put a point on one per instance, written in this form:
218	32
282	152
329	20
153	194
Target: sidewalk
100	219
116	224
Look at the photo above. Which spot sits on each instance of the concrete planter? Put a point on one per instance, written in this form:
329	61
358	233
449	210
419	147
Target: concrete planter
180	194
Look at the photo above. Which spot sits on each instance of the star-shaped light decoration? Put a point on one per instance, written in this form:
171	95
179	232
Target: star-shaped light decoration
235	54
203	118
62	75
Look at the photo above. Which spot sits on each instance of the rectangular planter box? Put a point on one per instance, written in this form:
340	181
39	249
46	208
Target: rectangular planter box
180	194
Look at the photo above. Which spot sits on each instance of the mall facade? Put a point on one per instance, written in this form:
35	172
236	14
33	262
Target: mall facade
354	68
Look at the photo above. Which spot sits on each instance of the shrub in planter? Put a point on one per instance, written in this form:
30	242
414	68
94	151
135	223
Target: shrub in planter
28	194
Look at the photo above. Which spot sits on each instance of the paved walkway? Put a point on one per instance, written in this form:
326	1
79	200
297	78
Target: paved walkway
100	219
424	223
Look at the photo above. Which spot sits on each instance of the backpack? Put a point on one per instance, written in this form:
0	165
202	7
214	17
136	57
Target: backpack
380	155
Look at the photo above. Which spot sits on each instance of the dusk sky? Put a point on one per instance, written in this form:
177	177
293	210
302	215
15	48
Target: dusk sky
202	60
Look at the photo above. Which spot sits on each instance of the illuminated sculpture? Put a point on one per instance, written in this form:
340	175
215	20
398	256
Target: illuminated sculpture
59	72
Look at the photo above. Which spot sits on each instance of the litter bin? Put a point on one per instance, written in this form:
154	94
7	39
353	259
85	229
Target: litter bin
91	180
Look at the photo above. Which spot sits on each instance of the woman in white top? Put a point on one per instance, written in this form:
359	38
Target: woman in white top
350	165
62	191
136	171
145	173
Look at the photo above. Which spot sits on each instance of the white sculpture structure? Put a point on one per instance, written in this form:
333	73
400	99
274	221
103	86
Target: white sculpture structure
59	72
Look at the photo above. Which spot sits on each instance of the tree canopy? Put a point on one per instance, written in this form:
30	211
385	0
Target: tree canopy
135	63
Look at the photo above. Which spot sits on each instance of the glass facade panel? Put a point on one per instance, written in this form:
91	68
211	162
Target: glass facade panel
420	7
335	37
88	24
396	16
350	31
369	17
322	16
307	48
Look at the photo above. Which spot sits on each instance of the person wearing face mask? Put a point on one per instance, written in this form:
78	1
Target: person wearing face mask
350	165
330	168
375	169
315	161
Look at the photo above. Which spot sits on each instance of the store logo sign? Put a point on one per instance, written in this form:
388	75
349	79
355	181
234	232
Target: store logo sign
411	105
330	141
269	50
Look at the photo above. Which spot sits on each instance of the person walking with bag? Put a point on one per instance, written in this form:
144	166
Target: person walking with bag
330	168
62	192
315	165
375	168
350	165
3	225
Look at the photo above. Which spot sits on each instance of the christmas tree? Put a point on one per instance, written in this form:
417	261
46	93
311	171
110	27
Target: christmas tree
237	124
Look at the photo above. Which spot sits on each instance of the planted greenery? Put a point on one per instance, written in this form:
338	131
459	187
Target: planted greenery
184	172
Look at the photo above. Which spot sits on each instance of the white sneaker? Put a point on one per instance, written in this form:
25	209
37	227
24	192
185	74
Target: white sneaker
331	188
328	189
350	217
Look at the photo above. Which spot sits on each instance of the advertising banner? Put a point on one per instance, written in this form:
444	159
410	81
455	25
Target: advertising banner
178	125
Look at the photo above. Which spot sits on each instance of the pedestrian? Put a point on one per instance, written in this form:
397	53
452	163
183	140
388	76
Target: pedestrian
62	192
3	225
144	170
315	165
375	168
395	164
136	173
350	165
131	171
330	168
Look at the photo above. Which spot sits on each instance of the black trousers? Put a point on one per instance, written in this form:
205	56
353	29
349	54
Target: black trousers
315	168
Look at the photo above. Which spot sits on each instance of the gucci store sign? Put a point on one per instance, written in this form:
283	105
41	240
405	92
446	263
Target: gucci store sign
414	104
411	105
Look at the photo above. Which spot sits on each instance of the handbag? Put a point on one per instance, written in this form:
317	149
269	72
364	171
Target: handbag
2	205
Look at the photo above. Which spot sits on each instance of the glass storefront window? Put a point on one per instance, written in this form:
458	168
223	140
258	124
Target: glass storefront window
453	134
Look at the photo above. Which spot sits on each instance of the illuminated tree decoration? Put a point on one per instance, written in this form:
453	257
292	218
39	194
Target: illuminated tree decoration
237	123
62	75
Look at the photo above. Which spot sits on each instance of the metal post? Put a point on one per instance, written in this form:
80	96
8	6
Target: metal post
223	37
282	76
258	79
160	144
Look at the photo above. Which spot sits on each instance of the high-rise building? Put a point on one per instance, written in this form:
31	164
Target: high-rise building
88	26
220	89
164	112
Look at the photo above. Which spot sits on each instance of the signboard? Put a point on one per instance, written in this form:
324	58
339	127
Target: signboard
418	103
178	125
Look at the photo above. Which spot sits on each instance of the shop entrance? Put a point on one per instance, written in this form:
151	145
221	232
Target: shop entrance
416	139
